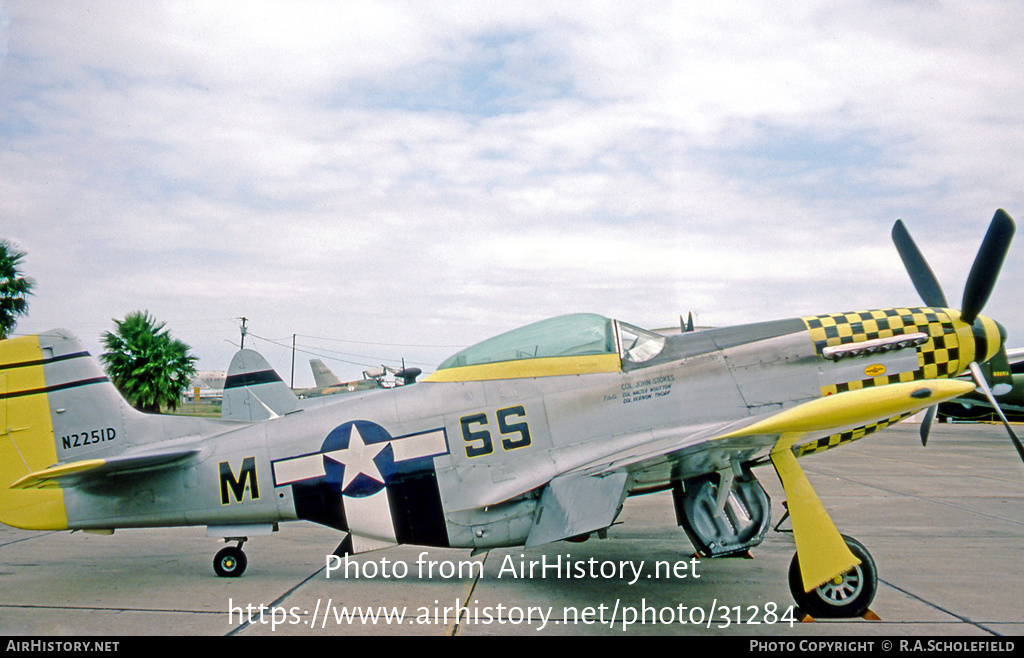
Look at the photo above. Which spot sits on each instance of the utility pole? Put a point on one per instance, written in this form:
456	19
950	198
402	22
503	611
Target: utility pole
293	361
244	320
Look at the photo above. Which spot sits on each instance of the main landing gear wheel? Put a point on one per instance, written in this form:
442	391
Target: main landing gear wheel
848	595
230	562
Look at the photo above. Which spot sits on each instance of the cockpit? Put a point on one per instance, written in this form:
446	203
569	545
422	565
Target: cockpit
567	344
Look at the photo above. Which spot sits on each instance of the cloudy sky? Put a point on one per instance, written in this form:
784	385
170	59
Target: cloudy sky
393	180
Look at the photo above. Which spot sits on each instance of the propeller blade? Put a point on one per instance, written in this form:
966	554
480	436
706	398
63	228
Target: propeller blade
921	275
987	264
926	424
979	379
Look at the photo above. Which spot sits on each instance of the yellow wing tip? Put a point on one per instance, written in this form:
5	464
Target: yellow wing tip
855	408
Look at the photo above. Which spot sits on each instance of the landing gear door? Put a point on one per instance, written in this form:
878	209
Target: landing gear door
739	525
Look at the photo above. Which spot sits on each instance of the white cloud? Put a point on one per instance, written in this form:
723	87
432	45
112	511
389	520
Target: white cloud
432	174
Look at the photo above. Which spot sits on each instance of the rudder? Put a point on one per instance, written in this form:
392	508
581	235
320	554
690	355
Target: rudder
56	406
26	444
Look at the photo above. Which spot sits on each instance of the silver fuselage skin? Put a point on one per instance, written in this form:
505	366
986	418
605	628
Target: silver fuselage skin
463	463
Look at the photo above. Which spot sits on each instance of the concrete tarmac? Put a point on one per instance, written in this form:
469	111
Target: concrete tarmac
945	525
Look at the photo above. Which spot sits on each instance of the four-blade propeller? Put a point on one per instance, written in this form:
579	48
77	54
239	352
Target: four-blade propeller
980	283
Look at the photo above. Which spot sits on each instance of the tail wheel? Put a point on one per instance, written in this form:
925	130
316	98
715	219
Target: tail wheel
230	562
848	595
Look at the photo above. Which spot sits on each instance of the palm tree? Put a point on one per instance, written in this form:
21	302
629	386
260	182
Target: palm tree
14	288
148	366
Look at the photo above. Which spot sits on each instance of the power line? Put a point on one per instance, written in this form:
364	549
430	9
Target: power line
364	342
369	363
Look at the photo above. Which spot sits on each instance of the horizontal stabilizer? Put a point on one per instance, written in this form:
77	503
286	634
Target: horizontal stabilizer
64	475
573	505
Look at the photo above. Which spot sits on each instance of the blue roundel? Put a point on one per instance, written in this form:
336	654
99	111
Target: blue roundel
358	458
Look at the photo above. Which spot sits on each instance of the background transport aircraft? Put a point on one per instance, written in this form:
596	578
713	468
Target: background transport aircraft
1005	376
254	391
533	436
327	383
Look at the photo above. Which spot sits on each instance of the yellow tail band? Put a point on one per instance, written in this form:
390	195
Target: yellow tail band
26	438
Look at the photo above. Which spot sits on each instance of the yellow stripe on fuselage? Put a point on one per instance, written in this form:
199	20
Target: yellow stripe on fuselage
545	367
26	438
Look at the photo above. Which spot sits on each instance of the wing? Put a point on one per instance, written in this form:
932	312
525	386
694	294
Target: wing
790	428
589	496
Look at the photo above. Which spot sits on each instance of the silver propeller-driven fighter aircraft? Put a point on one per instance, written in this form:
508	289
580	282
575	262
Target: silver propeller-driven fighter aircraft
534	436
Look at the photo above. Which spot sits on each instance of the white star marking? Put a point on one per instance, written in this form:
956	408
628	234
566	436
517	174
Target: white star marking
358	458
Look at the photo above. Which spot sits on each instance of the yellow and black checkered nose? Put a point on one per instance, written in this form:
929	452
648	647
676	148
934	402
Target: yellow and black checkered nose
951	343
948	350
945	346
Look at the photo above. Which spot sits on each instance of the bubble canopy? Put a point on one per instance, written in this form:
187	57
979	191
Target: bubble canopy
575	335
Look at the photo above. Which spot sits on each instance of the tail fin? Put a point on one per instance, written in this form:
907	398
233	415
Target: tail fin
998	373
322	375
253	390
56	405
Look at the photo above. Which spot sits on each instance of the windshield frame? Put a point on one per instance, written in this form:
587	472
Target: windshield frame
641	348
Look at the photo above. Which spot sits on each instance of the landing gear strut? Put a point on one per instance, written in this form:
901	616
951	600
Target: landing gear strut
230	561
848	595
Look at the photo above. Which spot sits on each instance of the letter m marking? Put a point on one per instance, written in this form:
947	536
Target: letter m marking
236	487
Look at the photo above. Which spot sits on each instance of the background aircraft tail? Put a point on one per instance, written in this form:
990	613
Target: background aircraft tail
254	391
56	405
322	375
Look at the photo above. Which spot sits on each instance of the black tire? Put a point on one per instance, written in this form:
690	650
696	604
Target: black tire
230	562
850	597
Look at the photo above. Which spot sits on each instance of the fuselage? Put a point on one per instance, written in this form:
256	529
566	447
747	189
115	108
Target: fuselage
460	459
